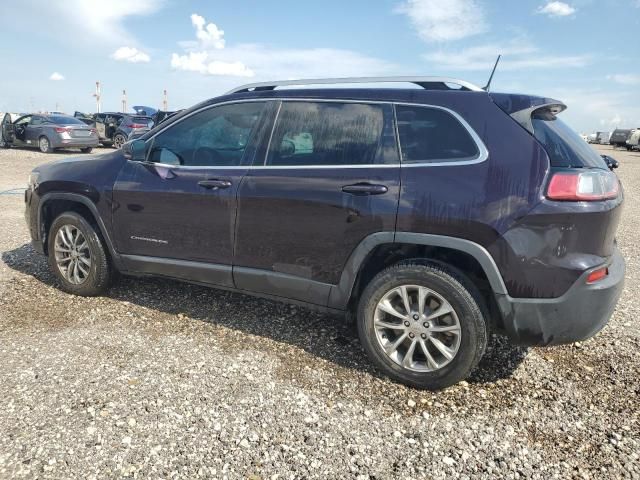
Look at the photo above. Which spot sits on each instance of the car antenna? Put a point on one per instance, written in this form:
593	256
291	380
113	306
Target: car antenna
488	85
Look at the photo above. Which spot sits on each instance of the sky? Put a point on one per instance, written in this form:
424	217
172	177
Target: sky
582	52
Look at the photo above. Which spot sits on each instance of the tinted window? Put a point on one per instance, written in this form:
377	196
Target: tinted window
564	146
36	121
432	135
63	120
214	137
326	133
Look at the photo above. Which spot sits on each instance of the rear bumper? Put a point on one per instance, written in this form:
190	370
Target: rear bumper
577	315
75	142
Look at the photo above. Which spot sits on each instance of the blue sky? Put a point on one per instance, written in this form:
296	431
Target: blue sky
584	52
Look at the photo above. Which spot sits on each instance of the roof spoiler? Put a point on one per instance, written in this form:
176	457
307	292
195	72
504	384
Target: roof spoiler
522	107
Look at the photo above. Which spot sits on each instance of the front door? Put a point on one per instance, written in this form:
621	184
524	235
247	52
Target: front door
330	178
20	130
177	210
7	134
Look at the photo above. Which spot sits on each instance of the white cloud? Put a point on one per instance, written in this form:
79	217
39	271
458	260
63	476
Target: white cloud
516	55
444	20
557	9
131	55
56	76
96	22
203	56
625	78
199	62
208	34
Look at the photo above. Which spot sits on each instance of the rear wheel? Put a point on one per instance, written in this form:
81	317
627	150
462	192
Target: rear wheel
77	256
422	325
119	140
44	144
86	150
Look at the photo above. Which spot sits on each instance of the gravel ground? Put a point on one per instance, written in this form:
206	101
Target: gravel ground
163	379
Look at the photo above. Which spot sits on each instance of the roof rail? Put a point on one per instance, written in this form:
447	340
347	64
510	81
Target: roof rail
428	83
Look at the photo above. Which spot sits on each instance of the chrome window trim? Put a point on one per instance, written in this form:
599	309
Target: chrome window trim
482	149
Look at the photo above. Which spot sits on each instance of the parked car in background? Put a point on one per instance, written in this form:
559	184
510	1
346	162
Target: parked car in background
433	215
619	137
106	124
592	138
633	142
602	138
131	126
48	132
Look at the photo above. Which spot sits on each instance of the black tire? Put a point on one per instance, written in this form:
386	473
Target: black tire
119	140
455	289
44	144
99	273
86	150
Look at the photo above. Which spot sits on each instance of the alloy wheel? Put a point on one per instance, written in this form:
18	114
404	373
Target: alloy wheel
417	328
72	254
44	144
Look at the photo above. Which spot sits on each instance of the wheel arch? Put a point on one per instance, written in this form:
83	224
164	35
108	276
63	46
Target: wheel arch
53	204
380	250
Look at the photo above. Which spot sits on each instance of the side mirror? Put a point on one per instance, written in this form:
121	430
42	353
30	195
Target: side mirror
287	148
611	162
135	150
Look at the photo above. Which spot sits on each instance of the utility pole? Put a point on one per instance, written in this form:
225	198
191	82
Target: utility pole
165	102
124	101
98	96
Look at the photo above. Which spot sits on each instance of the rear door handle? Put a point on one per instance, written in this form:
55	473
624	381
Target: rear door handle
214	184
365	189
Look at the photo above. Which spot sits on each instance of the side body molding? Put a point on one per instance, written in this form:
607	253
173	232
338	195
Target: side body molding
340	294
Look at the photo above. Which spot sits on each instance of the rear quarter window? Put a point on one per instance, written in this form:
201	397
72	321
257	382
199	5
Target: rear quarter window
433	135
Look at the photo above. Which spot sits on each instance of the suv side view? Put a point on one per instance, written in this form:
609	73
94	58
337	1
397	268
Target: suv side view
433	214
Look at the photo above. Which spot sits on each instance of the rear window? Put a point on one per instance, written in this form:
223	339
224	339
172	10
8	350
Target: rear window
564	146
433	135
143	120
64	120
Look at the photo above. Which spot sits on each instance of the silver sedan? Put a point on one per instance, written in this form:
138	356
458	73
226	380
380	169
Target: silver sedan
48	132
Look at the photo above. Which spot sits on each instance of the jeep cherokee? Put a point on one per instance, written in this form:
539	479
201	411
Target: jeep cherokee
434	214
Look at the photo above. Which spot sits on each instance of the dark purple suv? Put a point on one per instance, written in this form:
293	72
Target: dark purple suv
435	214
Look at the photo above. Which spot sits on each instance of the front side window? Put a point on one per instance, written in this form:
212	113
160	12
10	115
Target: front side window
433	135
216	137
326	133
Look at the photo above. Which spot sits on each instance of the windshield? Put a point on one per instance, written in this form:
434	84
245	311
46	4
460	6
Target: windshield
64	120
564	146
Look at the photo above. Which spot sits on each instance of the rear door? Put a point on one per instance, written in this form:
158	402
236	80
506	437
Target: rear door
328	178
175	213
34	130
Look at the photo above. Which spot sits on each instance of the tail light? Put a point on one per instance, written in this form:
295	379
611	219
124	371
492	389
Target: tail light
597	275
93	130
137	125
63	130
590	185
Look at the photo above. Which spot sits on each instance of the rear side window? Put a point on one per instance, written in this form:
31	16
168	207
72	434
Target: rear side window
432	135
564	146
327	133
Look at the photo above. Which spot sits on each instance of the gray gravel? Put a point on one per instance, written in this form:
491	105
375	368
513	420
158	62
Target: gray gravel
163	379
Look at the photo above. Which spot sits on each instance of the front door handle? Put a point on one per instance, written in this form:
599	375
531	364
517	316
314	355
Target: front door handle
214	184
365	189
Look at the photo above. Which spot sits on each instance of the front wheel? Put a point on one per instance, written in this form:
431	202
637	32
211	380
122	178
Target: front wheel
45	145
77	256
86	150
422	325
